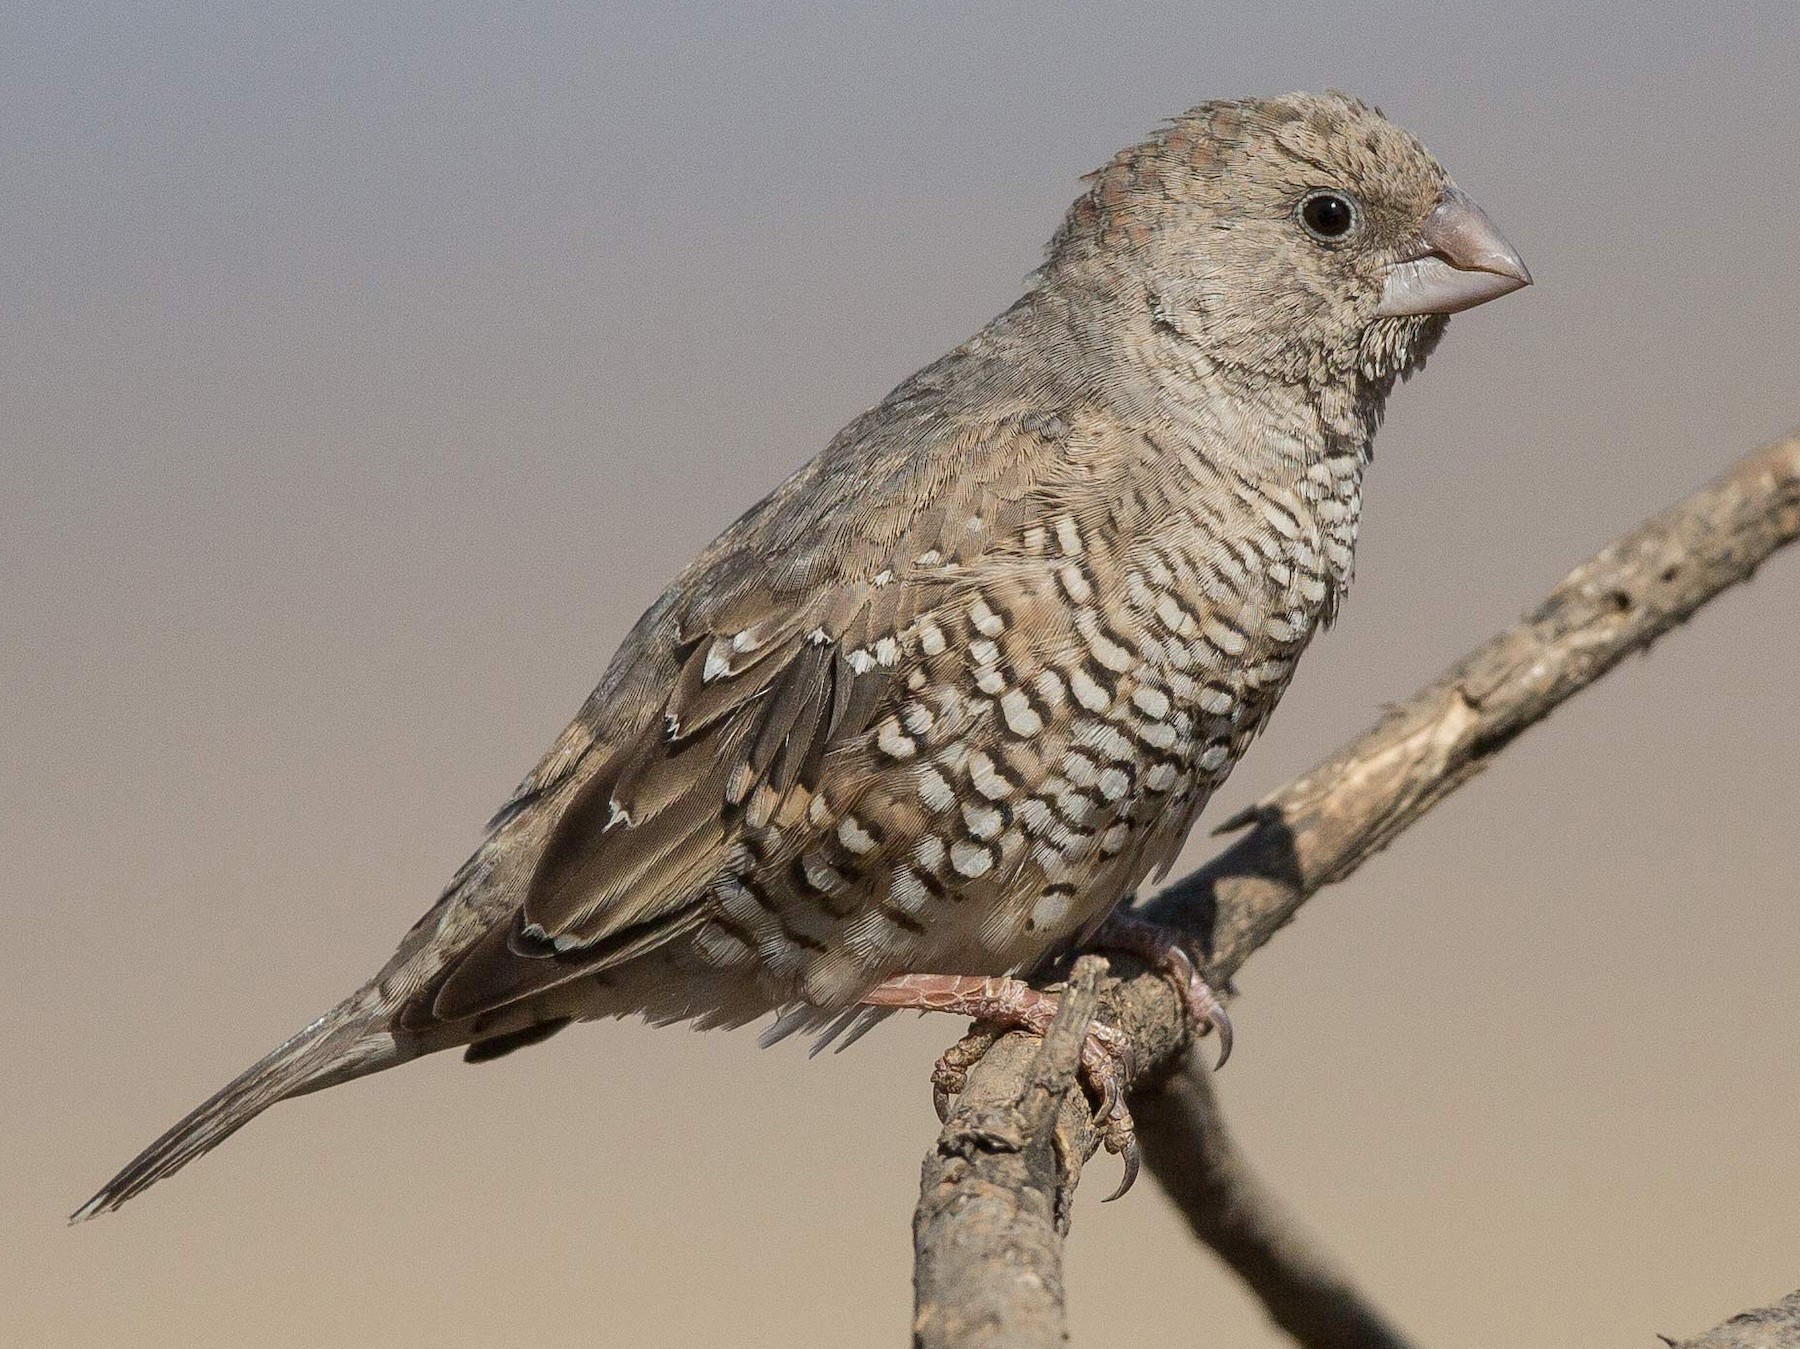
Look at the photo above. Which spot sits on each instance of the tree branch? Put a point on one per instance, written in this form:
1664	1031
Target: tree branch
1321	827
987	1236
1776	1327
1188	1147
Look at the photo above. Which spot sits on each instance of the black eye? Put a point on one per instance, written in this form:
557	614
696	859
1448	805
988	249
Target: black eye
1328	215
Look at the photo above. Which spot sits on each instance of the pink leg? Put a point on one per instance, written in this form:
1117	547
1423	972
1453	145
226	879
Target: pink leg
1000	1005
1167	952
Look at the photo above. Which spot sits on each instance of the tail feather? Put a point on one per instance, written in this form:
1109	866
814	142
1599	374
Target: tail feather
350	1040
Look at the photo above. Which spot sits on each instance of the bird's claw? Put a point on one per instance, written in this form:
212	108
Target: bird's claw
950	1074
1167	952
1219	1020
999	1005
1106	1063
1105	1066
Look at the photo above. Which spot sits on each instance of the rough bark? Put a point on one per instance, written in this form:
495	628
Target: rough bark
993	1193
1776	1327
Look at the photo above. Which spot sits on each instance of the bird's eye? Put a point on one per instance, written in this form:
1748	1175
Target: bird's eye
1328	216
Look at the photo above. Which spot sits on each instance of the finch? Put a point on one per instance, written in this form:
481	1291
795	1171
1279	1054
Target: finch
927	713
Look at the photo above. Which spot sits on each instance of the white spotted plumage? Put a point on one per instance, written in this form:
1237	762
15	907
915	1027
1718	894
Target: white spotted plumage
948	694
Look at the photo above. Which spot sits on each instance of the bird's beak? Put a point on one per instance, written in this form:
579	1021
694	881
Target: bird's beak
1459	261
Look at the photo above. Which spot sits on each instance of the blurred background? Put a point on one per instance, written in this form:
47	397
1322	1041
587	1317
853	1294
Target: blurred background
369	368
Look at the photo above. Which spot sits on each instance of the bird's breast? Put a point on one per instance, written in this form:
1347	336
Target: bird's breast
1055	720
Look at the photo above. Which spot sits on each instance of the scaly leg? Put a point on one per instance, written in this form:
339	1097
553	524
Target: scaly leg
1167	952
999	1005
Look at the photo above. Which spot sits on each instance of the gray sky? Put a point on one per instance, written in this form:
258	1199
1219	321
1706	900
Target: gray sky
369	368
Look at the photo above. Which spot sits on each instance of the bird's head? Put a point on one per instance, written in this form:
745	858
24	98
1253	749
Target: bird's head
1304	239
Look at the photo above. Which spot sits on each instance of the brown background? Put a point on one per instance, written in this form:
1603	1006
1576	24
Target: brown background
366	373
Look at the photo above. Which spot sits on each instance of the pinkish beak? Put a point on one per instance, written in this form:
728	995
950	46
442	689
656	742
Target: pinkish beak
1460	261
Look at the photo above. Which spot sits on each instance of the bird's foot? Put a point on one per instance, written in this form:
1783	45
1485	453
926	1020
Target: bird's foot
950	1074
1000	1005
1169	953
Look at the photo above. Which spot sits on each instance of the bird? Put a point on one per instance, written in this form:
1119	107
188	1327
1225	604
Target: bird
930	712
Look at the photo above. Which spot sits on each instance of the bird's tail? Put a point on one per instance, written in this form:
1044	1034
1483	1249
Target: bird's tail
350	1040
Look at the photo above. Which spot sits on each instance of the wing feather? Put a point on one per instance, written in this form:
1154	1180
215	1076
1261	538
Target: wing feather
776	648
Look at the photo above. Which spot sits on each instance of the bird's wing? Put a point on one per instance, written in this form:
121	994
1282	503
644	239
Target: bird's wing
781	652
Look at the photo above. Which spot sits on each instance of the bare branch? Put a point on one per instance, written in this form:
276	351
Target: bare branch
1186	1143
1321	827
992	1212
1776	1327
